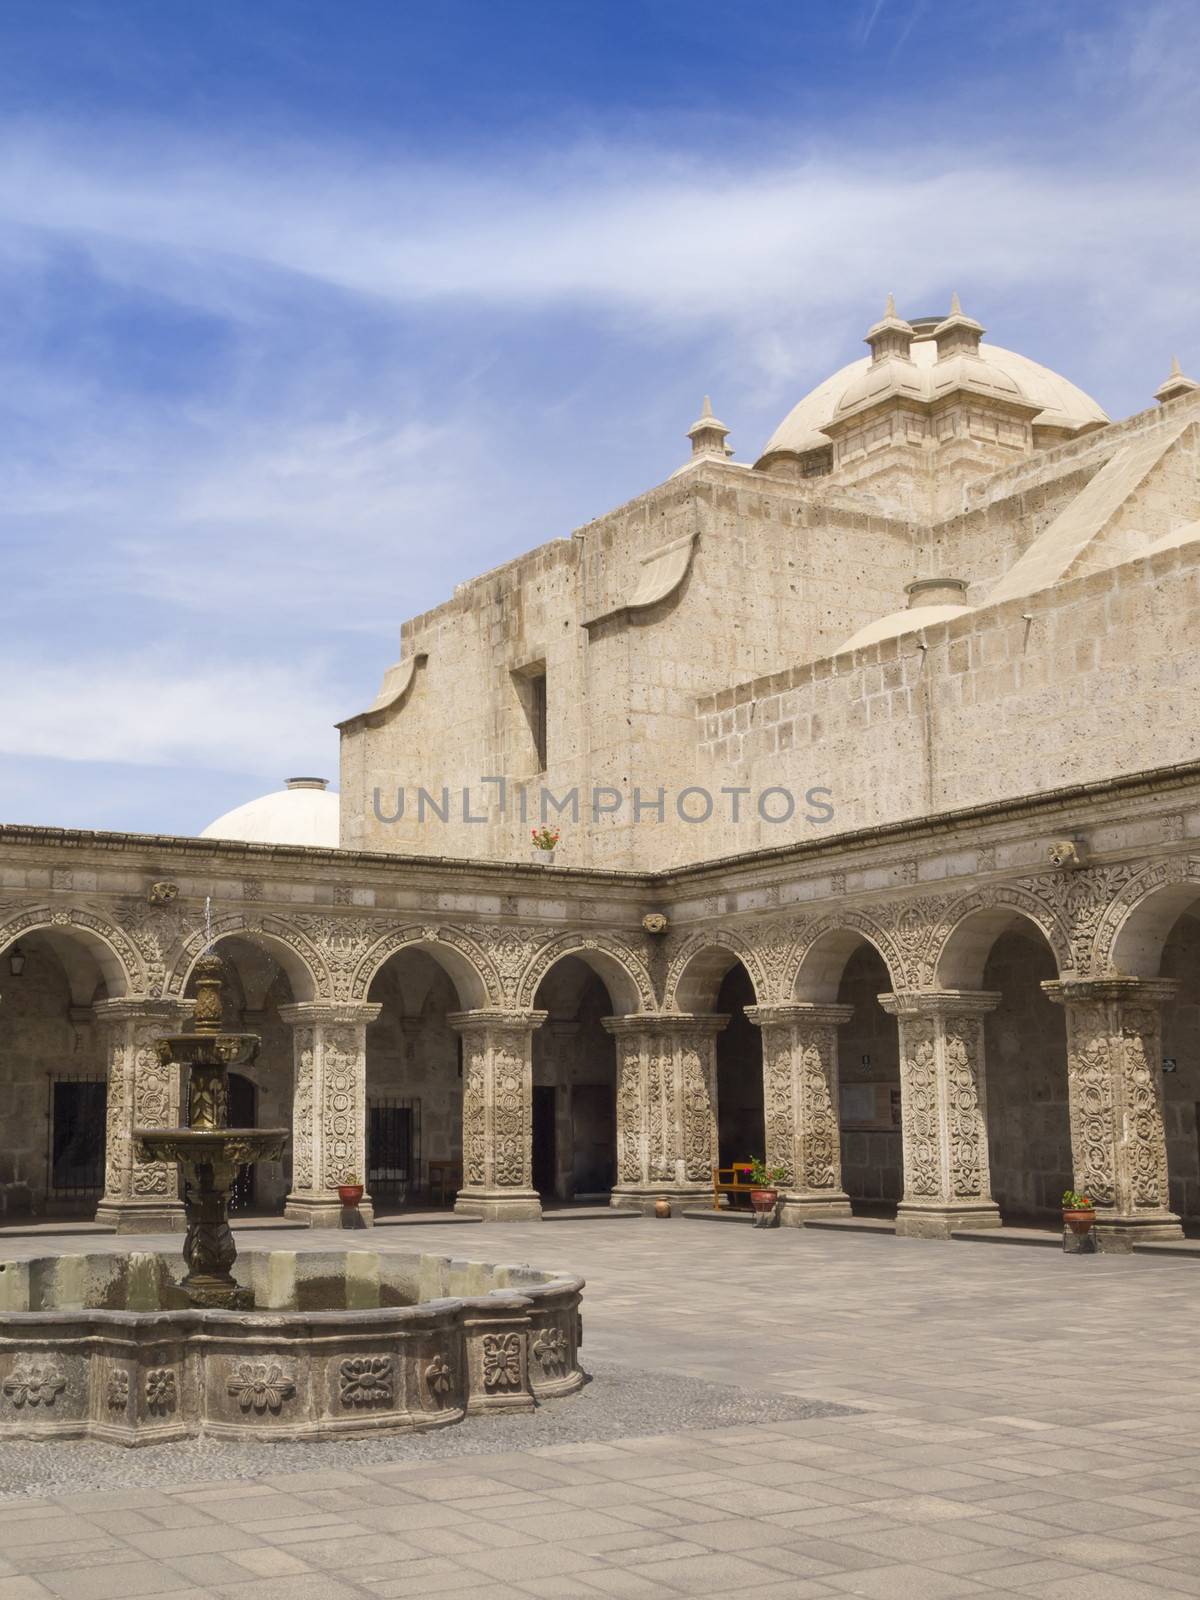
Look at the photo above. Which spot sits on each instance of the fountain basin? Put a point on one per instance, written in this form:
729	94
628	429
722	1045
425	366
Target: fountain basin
341	1343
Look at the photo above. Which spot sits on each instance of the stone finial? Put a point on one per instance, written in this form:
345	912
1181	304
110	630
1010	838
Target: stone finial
891	335
708	434
957	334
1174	384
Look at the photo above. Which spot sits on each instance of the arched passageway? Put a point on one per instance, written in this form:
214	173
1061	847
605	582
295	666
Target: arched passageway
254	988
1027	1100
414	1066
869	1086
740	1121
574	1086
53	1073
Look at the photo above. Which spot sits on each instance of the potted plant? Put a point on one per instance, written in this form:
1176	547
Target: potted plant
350	1192
545	841
1078	1211
766	1180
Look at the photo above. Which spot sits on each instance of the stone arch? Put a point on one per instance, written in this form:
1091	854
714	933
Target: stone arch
826	948
465	962
622	970
966	943
296	954
1137	922
115	956
1010	905
701	963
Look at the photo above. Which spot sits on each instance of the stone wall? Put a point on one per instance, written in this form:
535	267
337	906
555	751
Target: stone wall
1181	1043
1095	678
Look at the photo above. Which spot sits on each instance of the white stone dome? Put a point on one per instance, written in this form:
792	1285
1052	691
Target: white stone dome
1063	404
303	812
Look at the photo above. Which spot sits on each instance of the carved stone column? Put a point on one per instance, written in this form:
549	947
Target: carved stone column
943	1112
329	1108
140	1196
666	1107
800	1106
498	1114
1114	1056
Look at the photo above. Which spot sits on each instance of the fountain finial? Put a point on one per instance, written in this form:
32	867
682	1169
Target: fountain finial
210	976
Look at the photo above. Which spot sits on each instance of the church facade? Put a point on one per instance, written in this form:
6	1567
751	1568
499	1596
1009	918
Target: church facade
875	767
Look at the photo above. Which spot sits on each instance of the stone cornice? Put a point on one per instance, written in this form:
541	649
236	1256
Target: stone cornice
1125	991
940	1002
799	1011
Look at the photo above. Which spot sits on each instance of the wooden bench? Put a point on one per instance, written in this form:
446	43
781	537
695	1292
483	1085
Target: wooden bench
732	1180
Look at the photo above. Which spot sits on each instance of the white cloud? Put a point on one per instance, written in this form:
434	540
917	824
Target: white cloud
155	708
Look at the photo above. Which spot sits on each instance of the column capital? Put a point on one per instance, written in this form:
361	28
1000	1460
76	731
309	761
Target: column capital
940	1002
124	1008
1122	990
798	1011
667	1022
492	1017
305	1013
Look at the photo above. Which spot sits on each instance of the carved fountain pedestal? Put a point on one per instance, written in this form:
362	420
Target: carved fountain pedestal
209	1151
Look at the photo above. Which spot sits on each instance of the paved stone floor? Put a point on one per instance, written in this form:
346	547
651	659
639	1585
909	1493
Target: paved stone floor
1024	1423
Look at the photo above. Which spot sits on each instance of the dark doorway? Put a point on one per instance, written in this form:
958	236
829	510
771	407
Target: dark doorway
243	1113
740	1124
77	1117
594	1116
545	1110
393	1150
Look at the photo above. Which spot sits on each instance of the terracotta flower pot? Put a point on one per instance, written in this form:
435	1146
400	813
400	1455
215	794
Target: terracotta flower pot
1079	1221
662	1206
350	1193
764	1199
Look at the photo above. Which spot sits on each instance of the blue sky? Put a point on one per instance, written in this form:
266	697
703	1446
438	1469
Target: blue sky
313	309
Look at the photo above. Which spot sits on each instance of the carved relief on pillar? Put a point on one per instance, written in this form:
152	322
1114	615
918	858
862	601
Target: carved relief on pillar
142	1092
629	1111
965	1127
697	1083
800	1103
1118	1138
943	1111
329	1106
666	1105
919	1108
498	1113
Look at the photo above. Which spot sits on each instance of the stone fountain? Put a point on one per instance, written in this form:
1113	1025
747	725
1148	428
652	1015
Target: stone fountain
209	1151
320	1343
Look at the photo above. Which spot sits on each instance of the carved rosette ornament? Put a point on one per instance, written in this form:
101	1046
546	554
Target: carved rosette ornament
800	1103
666	1106
498	1113
329	1106
943	1111
1118	1141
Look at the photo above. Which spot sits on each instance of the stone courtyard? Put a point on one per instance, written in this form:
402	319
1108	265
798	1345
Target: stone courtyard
790	1413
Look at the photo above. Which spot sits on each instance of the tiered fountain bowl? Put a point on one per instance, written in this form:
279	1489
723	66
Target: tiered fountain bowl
208	1150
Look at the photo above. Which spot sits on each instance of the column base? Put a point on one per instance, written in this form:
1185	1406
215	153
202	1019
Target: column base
1117	1235
142	1216
500	1205
641	1197
916	1221
796	1209
325	1210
